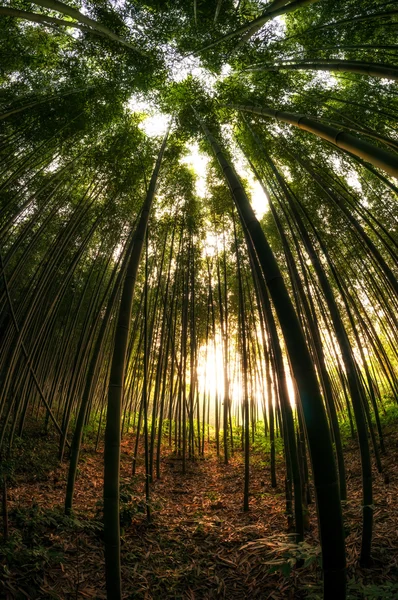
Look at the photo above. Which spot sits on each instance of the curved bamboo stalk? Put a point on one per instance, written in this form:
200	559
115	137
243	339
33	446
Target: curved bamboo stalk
257	23
323	464
381	71
115	394
341	139
65	9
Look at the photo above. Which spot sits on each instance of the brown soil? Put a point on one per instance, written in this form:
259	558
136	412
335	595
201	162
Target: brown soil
200	544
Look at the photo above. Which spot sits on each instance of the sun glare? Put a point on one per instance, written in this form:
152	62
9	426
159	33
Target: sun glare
198	162
154	123
210	373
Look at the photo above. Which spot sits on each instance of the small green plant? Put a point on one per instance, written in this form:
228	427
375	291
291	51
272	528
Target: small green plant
34	556
33	461
35	523
386	591
358	590
302	554
213	496
262	442
130	506
283	554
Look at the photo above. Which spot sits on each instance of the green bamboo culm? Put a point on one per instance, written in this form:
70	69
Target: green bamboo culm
381	71
115	396
275	9
311	401
90	382
388	161
65	9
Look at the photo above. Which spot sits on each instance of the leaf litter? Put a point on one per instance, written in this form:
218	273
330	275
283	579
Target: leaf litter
200	544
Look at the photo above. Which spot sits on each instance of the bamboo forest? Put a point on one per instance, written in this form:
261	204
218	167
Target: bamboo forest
198	299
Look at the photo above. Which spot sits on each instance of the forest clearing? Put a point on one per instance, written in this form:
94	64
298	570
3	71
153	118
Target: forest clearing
198	299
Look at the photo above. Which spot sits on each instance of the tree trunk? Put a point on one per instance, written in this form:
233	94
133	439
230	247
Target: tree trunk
320	444
115	395
378	157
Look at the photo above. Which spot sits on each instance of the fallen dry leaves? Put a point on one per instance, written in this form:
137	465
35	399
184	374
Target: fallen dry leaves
200	544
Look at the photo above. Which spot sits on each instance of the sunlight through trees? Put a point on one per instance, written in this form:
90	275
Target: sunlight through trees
198	256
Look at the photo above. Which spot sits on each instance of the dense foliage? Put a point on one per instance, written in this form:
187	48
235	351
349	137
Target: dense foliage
230	313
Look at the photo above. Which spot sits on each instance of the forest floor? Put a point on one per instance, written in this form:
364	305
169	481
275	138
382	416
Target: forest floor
199	545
